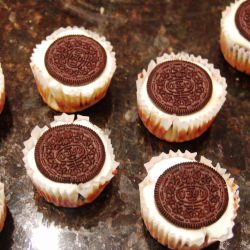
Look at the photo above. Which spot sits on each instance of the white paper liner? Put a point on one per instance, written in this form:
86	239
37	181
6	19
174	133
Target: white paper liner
2	89
68	194
3	209
173	125
234	46
66	98
173	236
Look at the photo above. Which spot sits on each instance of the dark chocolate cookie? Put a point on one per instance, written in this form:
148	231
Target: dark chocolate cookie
191	195
70	154
75	60
179	87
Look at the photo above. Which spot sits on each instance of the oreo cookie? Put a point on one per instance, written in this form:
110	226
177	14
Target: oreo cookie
70	154
242	19
191	195
75	60
179	87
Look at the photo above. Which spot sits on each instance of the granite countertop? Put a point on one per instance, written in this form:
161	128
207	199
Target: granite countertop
139	31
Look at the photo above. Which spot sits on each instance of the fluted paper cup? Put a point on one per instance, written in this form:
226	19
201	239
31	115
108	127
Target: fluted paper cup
3	208
169	234
2	90
176	128
66	98
67	194
234	46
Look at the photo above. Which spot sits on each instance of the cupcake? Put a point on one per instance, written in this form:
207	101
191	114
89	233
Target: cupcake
73	68
70	162
179	96
3	208
235	35
2	90
188	204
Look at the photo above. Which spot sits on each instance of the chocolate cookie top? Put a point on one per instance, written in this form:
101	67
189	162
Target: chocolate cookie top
70	154
179	87
242	19
75	60
191	195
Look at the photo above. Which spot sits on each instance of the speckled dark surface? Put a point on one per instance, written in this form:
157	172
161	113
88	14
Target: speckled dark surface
139	31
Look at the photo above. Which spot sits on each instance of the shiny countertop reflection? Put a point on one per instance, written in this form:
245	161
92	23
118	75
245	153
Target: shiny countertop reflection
139	31
44	237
